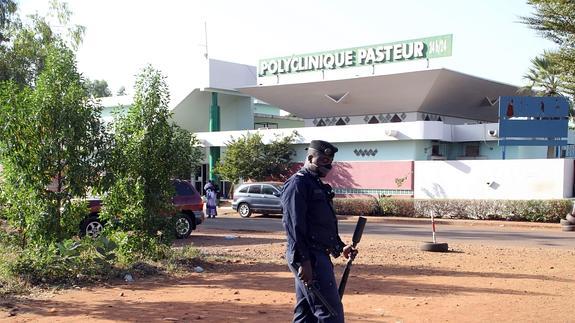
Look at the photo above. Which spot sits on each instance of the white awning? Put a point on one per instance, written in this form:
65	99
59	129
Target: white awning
438	91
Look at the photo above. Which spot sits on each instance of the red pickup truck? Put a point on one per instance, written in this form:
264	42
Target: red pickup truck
187	201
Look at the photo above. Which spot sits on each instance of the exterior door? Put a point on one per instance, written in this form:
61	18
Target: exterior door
255	195
270	199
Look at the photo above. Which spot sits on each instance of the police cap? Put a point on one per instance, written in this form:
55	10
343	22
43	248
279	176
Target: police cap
323	146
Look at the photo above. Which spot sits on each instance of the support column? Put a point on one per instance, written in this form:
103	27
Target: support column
214	156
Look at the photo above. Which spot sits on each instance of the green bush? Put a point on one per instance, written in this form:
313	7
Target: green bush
512	210
356	206
65	262
396	207
134	246
88	260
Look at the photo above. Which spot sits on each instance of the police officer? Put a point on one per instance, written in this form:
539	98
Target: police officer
312	236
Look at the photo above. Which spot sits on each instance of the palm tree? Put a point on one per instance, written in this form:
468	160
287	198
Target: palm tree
543	78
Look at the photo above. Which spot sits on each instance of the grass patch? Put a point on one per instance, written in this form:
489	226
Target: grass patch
84	263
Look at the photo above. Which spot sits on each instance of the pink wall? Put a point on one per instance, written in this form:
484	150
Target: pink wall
375	175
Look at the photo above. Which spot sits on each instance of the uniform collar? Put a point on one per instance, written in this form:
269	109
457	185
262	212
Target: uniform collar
309	171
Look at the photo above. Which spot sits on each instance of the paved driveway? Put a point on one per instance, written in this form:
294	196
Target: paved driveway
452	232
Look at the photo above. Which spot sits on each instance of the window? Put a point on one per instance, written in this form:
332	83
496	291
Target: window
472	151
183	189
266	189
244	189
435	150
266	125
255	189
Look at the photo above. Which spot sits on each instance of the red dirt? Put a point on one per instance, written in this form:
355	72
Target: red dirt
391	281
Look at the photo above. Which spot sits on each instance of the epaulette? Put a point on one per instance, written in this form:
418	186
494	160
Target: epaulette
300	174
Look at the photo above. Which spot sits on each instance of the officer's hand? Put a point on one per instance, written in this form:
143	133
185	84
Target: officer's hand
349	251
305	273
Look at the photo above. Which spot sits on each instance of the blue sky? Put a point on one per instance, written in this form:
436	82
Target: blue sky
123	36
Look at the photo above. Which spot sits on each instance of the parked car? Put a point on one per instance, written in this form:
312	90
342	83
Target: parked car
188	212
257	198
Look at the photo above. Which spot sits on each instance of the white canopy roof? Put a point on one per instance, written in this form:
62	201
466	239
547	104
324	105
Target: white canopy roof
438	91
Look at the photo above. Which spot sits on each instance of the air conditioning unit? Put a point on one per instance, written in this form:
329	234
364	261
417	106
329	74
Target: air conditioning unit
391	132
492	133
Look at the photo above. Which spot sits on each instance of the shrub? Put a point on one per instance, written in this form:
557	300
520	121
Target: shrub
356	206
134	246
65	262
512	210
396	207
88	260
484	210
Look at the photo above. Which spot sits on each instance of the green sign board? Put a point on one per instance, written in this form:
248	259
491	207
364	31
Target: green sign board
401	51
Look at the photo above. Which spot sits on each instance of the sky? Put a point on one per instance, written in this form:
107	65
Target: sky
123	36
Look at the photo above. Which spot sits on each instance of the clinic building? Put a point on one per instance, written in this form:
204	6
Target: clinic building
405	125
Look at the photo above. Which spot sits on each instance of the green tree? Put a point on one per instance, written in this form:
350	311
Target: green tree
555	20
148	151
543	78
51	146
121	91
186	153
7	10
24	49
99	88
248	158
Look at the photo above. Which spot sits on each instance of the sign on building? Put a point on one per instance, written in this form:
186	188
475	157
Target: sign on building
533	121
422	48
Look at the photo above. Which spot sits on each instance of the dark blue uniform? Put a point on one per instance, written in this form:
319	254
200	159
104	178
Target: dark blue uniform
312	234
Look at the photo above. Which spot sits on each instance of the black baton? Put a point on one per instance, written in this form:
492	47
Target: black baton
312	288
355	240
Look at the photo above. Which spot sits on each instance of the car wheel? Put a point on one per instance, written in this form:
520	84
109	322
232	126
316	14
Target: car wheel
244	210
183	226
91	227
434	247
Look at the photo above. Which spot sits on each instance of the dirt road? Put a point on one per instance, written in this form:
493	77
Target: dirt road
391	281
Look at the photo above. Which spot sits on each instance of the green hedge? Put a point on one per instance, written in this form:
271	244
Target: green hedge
514	210
356	206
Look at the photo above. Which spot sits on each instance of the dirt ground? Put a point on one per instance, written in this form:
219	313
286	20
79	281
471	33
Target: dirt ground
391	281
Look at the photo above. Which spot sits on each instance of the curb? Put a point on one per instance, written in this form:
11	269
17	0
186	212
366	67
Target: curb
440	221
460	222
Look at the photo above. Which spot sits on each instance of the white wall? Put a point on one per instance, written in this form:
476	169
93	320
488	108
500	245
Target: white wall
569	174
230	76
352	133
473	132
235	112
494	179
193	113
414	130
